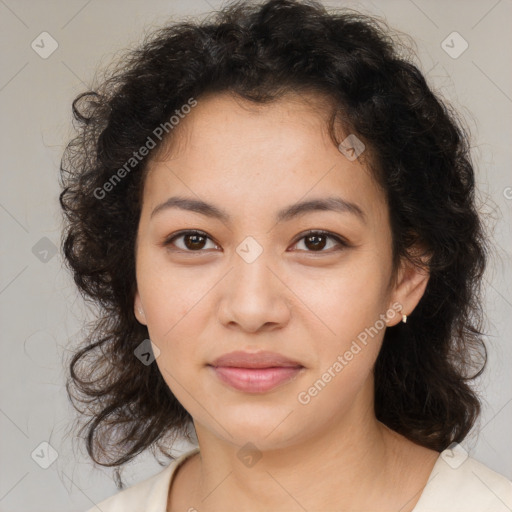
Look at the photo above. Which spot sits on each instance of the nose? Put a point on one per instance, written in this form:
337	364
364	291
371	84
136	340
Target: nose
254	297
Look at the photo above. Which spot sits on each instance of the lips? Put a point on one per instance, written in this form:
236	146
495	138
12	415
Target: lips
265	359
255	372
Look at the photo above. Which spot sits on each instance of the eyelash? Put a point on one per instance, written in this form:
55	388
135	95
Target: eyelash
168	241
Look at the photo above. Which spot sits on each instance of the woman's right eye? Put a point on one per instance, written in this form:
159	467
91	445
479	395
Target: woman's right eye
191	241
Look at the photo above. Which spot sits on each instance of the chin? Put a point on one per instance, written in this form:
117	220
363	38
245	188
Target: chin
266	426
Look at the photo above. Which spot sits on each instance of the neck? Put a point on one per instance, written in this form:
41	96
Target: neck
348	461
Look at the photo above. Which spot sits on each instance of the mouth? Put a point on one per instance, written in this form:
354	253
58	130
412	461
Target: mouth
255	372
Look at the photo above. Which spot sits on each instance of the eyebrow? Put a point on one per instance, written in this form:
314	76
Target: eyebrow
335	204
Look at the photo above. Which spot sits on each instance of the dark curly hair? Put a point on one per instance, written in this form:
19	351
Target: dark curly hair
419	155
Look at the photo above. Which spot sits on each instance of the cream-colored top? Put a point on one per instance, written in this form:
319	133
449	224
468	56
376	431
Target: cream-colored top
457	483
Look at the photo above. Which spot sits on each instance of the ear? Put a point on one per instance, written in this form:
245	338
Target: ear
409	287
139	310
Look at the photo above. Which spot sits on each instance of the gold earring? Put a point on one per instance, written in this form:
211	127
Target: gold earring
404	318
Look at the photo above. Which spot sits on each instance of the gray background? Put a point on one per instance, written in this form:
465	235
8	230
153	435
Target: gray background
41	312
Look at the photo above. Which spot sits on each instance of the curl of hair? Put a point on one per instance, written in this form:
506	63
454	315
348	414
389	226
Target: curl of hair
419	154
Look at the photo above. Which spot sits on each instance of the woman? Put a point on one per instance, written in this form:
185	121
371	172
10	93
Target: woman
276	216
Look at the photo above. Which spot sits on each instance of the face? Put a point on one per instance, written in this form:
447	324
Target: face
254	278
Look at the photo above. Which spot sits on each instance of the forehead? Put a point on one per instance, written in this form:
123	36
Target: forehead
228	149
235	122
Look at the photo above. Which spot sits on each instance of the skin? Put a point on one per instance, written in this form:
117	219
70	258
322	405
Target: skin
306	303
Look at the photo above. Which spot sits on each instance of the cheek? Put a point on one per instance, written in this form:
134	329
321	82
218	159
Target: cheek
175	329
346	301
169	302
350	309
172	324
168	295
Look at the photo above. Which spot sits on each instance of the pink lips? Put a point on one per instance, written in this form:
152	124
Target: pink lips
255	372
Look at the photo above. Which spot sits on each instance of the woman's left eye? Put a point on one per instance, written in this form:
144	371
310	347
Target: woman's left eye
314	241
318	240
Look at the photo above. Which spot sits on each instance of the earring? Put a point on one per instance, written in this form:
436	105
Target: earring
140	311
404	318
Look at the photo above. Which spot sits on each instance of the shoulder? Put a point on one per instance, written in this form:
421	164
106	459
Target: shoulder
460	483
150	495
